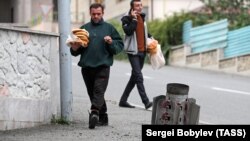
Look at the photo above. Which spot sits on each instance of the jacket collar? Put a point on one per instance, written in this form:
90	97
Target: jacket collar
99	23
143	15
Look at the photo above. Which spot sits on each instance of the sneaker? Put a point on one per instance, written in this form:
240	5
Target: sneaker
103	120
93	119
126	105
148	105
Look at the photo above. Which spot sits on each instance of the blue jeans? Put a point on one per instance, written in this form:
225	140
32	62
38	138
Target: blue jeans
136	78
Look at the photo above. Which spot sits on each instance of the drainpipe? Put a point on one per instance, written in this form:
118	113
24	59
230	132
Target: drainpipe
152	10
77	12
65	60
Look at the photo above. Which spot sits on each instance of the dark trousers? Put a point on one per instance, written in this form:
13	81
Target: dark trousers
96	81
136	78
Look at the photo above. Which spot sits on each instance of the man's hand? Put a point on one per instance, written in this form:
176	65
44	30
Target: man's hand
75	45
134	14
108	39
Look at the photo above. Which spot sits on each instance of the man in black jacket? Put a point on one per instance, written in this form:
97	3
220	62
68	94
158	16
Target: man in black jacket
134	24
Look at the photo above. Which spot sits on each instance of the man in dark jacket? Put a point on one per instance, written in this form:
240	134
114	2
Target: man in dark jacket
96	59
134	24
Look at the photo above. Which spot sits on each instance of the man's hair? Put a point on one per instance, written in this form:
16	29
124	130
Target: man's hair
132	2
96	5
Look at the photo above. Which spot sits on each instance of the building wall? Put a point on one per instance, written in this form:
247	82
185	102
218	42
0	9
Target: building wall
22	10
31	12
39	14
79	10
160	9
113	9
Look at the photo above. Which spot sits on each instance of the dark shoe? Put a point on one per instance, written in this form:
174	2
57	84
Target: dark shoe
93	119
126	105
103	120
148	105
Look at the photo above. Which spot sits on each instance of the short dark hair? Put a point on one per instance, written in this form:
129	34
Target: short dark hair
132	2
96	5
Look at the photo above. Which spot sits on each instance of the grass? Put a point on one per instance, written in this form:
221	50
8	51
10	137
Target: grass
62	121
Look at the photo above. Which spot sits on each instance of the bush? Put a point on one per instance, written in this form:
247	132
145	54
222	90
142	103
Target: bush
118	26
169	31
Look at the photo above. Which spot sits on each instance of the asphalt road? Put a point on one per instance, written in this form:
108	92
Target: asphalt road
223	98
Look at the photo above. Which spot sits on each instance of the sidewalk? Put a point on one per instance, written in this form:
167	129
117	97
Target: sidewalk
124	125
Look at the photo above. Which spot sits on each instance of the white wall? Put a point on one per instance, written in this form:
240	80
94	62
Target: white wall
29	78
164	8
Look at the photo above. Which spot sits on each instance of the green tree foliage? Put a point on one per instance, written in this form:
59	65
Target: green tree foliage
169	30
118	25
236	11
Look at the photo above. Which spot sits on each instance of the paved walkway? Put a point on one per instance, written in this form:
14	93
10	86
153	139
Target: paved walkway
124	125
